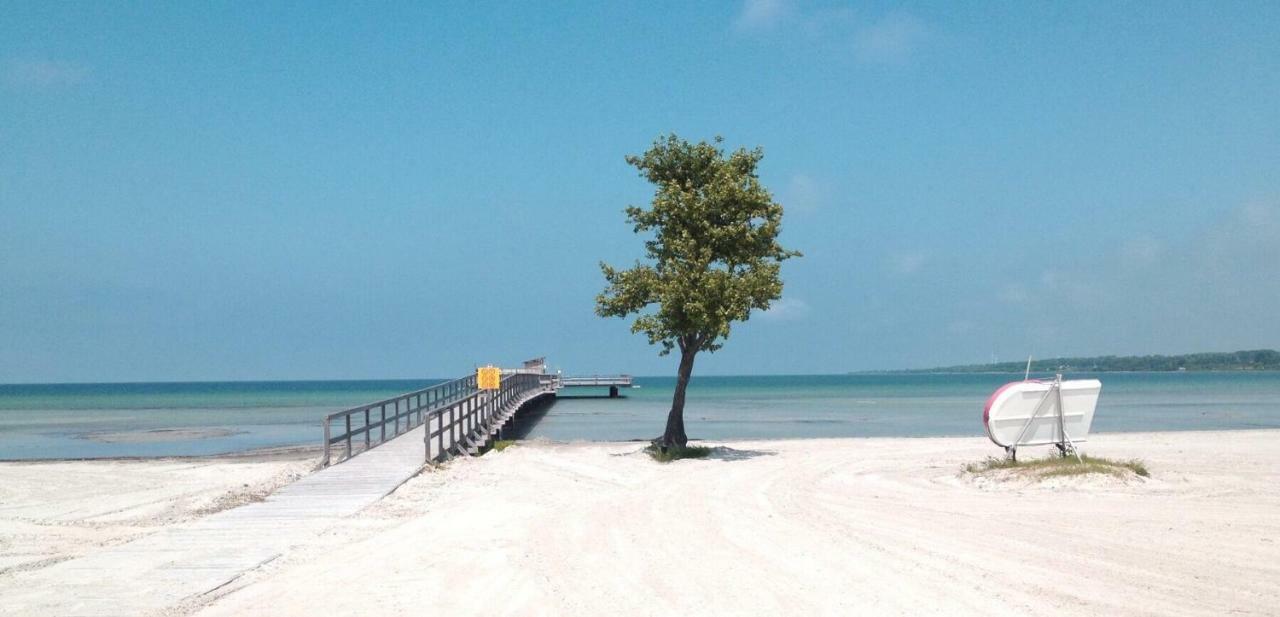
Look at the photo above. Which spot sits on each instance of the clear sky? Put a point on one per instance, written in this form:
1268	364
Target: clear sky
204	191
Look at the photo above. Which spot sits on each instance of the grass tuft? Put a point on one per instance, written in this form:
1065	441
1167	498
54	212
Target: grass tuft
1058	466
502	444
675	454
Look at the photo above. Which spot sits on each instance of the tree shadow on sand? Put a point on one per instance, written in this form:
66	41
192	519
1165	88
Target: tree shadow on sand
725	453
720	453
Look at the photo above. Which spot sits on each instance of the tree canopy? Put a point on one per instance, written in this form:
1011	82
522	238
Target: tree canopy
712	254
715	253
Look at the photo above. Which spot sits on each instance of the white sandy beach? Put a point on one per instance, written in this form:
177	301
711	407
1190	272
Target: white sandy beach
842	526
53	511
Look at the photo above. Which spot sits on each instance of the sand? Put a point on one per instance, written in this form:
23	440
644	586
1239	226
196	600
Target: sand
848	526
53	511
842	526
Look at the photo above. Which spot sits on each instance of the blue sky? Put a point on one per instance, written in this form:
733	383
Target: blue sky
225	191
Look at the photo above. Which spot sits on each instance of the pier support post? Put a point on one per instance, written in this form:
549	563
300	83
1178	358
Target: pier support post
613	391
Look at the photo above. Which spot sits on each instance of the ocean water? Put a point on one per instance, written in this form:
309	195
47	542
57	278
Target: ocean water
109	420
905	405
103	420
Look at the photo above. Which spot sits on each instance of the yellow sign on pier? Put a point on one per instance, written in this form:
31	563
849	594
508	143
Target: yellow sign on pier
489	378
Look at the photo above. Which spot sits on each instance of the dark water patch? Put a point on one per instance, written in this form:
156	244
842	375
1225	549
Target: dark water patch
160	434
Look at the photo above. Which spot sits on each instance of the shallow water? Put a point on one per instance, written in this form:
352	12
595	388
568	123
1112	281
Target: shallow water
906	405
69	420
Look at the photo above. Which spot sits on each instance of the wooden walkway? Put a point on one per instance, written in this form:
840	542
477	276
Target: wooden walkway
181	563
595	381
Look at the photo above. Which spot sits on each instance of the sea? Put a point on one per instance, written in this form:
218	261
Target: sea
74	421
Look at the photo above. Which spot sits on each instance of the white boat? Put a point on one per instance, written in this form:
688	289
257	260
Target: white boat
1026	413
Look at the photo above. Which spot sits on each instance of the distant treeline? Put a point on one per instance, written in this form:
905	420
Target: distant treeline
1255	360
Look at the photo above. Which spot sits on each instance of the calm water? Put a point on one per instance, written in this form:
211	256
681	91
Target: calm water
71	420
63	421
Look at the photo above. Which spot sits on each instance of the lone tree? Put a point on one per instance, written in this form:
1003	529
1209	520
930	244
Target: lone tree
714	255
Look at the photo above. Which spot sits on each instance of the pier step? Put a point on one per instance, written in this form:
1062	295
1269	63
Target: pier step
473	444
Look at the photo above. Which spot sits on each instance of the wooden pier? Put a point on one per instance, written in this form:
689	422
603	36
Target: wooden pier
380	446
596	381
612	382
460	418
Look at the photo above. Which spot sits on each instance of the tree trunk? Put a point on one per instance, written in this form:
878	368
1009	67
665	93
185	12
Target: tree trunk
674	436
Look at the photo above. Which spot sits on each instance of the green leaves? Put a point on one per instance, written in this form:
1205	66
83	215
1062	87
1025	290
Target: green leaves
714	253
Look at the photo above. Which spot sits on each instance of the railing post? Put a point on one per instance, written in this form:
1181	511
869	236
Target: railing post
325	461
366	428
348	416
427	434
383	425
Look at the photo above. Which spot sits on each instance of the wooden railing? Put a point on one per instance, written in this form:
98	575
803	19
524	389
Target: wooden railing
366	426
467	409
596	380
467	422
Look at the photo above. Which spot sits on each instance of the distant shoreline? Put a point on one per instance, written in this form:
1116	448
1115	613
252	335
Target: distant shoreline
926	371
1246	360
375	382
